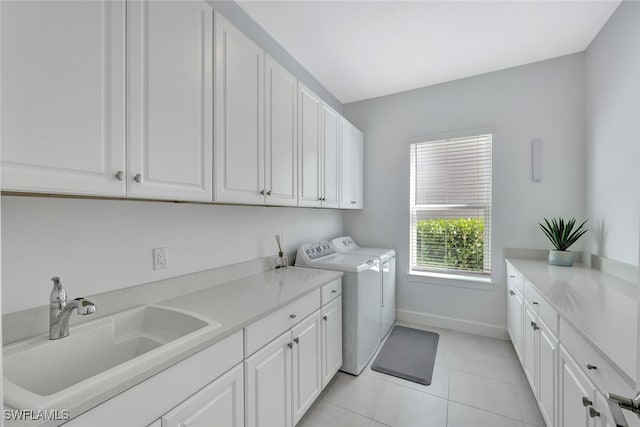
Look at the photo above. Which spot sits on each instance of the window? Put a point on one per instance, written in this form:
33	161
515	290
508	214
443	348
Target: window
451	206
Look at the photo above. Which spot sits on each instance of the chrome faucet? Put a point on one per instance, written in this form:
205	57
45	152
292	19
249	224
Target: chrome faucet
60	310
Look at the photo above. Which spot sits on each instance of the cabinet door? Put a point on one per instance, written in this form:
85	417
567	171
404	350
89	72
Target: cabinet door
573	387
514	318
530	347
346	164
63	97
220	404
268	384
547	363
239	121
170	99
309	148
602	414
281	151
331	340
358	185
330	149
307	372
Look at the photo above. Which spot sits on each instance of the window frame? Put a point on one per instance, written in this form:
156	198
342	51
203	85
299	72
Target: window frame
444	276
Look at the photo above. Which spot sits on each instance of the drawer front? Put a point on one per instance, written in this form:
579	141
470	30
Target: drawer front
264	330
541	307
604	376
515	277
331	291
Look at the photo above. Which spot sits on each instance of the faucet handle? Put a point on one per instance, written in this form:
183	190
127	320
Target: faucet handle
58	294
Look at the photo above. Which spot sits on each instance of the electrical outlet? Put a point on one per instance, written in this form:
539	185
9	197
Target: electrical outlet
160	258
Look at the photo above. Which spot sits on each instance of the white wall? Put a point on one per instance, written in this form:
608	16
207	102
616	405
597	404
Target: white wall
612	134
541	100
102	245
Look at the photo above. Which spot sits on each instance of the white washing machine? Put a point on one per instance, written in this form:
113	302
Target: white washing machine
387	259
361	296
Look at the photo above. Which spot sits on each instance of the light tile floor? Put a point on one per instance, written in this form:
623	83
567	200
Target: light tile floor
477	382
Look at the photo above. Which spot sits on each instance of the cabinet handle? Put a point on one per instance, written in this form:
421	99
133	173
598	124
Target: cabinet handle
138	178
353	203
511	292
586	402
324	199
269	193
296	340
293	316
534	325
590	367
290	345
512	276
535	303
324	317
262	192
119	175
593	413
334	291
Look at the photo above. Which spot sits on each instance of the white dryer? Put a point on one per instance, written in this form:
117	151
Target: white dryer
361	295
387	257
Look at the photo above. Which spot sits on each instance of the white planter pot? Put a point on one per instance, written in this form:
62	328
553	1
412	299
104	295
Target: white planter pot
561	258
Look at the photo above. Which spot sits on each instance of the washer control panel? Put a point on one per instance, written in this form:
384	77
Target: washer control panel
315	250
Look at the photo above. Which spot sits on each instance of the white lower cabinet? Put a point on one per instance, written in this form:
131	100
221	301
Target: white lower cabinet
307	355
331	340
547	362
530	347
268	384
567	375
515	306
575	391
220	404
284	378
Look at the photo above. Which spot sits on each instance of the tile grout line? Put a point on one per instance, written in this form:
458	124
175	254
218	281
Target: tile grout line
515	392
490	412
375	407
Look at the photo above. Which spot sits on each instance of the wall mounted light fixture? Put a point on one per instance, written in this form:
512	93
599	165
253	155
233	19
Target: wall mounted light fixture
536	160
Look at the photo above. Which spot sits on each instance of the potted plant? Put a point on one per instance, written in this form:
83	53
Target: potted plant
562	234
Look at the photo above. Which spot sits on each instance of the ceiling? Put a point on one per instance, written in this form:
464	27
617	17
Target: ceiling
365	49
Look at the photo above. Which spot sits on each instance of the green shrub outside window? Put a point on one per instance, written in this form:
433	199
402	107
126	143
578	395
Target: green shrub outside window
454	244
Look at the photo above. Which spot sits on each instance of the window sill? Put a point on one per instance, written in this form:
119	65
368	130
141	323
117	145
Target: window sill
451	280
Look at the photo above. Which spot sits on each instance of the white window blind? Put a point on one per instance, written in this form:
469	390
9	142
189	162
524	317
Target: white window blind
451	205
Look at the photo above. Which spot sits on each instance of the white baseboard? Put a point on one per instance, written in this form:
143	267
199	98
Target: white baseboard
468	326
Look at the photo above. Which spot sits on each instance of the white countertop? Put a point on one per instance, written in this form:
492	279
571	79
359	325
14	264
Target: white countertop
234	305
238	303
602	307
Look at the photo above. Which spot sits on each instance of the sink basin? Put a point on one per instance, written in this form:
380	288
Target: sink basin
39	372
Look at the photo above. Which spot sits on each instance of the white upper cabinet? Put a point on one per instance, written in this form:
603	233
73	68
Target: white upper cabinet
63	97
281	139
358	185
351	166
309	148
170	99
331	155
239	118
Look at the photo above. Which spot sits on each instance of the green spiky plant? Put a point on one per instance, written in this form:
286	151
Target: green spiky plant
562	233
